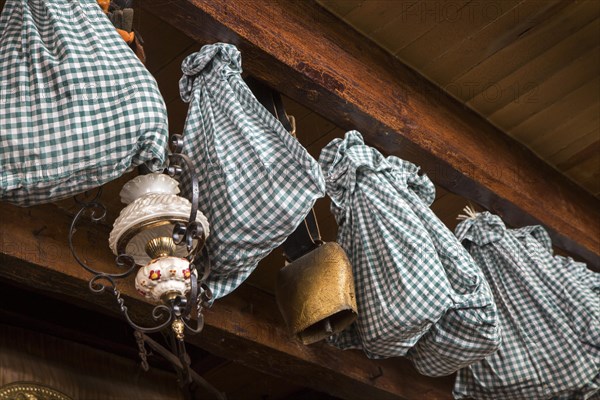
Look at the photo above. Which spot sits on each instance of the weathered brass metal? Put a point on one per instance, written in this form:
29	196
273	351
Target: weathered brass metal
30	391
178	329
170	297
146	225
162	246
315	293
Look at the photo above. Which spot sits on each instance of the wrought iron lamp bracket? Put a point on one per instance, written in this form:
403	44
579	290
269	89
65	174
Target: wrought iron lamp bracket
175	314
180	307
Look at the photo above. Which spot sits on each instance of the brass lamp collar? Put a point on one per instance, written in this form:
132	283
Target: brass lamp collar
160	247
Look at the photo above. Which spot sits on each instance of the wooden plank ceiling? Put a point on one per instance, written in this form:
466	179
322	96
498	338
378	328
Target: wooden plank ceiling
531	67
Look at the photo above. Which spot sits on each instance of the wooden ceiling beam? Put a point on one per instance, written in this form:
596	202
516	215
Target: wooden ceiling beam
245	326
308	54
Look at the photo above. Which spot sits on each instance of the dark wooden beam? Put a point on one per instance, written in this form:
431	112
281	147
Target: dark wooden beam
308	54
244	327
24	307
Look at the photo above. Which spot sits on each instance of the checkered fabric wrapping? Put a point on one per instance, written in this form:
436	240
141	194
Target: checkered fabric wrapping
589	279
574	286
579	295
550	327
77	108
577	291
257	183
418	290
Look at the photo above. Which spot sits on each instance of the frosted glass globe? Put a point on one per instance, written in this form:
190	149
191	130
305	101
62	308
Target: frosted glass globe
154	209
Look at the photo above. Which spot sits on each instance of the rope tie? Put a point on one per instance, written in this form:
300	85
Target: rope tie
469	213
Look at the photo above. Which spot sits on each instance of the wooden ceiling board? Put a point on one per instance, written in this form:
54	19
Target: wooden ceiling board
109	197
521	85
428	16
341	8
529	66
457	24
529	45
545	119
544	94
581	156
587	173
313	127
373	15
495	36
575	147
402	9
559	137
369	14
317	146
403	25
295	109
168	76
161	43
448	207
440	192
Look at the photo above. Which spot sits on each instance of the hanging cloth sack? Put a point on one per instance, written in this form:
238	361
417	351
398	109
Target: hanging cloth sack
257	183
417	287
543	354
573	287
571	283
581	273
580	298
77	108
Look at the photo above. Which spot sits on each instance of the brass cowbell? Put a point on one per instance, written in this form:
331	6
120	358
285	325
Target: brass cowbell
315	293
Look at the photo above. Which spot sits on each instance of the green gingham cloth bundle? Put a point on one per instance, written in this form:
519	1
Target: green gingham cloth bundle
419	293
579	296
575	287
257	183
77	108
576	290
580	273
550	339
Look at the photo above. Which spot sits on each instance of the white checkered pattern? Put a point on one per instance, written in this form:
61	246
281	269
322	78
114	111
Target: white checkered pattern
549	319
578	292
419	292
257	183
77	108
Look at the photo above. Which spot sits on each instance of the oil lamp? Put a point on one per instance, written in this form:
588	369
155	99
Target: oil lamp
159	236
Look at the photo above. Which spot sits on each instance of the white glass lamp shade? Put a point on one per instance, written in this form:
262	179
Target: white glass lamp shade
145	184
164	277
150	216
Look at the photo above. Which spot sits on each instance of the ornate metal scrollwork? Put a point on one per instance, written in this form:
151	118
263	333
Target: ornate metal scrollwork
192	231
102	281
175	314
